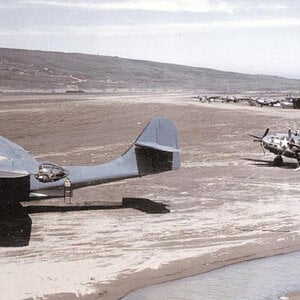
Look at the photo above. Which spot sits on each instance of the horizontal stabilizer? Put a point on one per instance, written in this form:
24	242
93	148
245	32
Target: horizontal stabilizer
156	146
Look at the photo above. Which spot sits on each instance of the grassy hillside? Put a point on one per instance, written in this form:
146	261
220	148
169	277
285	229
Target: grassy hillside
41	70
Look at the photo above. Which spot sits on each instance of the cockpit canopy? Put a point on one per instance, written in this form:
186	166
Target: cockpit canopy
49	172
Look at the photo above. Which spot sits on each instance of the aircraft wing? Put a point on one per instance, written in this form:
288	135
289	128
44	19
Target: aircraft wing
14	159
15	167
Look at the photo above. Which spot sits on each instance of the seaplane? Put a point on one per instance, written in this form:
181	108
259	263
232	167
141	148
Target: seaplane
24	178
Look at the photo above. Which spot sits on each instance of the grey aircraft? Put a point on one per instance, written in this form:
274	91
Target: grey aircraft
287	104
267	102
281	144
23	178
291	101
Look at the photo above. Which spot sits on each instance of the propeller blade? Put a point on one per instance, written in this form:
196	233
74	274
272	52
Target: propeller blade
263	148
255	136
266	132
259	138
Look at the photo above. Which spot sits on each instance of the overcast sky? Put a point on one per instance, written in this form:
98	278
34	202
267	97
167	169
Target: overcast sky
249	36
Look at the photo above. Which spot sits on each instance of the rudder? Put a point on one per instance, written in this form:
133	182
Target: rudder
157	147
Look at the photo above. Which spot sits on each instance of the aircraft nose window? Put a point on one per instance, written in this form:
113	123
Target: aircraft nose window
49	172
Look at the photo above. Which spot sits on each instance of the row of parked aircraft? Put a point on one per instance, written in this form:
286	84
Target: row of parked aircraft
288	102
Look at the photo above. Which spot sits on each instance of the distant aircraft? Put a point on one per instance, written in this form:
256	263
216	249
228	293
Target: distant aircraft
266	102
211	98
230	99
291	102
281	144
287	104
23	178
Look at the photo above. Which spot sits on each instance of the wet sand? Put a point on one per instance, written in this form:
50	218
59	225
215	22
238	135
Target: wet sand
225	207
265	278
293	296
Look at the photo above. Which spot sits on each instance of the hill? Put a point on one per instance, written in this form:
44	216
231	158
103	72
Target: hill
29	70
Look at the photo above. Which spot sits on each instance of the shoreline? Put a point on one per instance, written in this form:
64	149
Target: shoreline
192	267
119	288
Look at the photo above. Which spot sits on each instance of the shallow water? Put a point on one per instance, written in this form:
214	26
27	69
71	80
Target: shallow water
261	279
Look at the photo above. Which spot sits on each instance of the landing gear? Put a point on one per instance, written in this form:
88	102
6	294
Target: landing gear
278	161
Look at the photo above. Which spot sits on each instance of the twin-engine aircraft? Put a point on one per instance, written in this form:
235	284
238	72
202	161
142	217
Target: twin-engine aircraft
281	144
23	178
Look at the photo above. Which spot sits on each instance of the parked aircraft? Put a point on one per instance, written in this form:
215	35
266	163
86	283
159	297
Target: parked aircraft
266	102
281	144
291	102
230	99
287	104
211	98
23	178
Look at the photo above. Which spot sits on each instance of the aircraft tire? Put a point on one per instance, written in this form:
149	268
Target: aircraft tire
278	161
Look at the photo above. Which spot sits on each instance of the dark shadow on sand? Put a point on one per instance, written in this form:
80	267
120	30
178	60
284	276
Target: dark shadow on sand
142	204
268	163
15	223
145	205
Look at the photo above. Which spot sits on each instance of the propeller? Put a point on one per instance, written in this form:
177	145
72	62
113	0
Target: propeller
260	138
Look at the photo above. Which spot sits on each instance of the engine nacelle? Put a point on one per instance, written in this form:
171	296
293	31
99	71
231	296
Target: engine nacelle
49	172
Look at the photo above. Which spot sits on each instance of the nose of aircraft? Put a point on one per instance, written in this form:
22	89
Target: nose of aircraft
267	139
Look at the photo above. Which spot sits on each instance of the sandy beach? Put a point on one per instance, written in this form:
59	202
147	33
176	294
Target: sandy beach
228	204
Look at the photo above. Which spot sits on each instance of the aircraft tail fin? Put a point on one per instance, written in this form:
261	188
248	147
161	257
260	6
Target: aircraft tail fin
156	149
